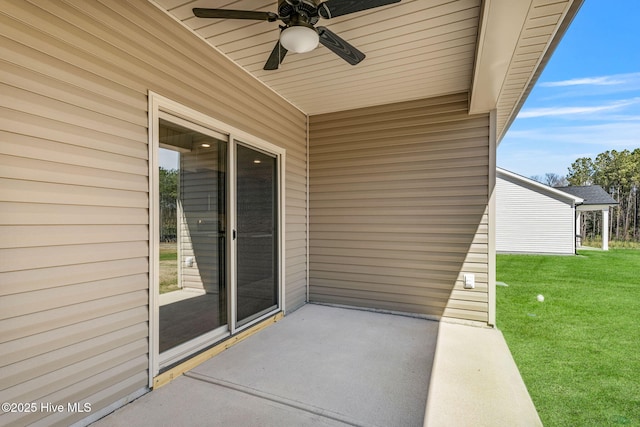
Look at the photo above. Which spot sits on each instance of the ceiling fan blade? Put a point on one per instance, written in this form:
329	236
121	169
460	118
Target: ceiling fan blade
332	8
234	14
276	57
340	47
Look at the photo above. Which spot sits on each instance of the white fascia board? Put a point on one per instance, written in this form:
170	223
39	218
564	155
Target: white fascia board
588	208
531	183
501	24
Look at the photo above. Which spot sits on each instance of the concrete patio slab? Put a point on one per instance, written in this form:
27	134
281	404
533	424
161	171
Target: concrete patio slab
320	365
328	366
475	382
189	402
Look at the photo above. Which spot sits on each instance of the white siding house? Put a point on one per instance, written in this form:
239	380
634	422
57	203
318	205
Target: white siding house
532	217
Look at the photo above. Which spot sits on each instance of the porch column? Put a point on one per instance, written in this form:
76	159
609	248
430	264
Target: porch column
605	229
578	228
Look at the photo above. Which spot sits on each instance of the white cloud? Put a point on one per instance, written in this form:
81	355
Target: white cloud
606	136
552	148
573	118
561	111
565	111
615	79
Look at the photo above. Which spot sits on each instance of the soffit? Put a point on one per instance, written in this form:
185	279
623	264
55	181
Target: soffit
544	26
415	49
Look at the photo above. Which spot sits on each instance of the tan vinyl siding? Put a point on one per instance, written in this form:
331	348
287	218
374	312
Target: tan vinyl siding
74	195
530	220
398	198
198	180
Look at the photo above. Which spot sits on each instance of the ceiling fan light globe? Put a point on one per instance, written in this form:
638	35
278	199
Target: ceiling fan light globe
299	39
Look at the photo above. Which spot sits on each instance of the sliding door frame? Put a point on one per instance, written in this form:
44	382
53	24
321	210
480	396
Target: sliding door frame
233	249
160	106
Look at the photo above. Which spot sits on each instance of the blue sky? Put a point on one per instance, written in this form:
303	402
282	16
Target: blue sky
587	100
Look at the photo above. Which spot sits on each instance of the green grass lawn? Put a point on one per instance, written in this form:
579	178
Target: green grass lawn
579	350
168	267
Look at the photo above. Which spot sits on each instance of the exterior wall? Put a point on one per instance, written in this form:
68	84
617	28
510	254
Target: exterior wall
398	202
74	189
532	221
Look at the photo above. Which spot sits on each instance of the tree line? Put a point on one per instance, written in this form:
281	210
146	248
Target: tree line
618	173
168	204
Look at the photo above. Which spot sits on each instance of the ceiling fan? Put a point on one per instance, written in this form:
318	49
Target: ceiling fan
299	34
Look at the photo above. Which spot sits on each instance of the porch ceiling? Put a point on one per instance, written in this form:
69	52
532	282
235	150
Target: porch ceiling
415	49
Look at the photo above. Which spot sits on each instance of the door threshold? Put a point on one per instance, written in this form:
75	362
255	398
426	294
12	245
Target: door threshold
173	373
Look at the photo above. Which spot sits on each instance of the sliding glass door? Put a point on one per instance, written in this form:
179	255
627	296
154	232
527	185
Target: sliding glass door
193	239
217	245
257	233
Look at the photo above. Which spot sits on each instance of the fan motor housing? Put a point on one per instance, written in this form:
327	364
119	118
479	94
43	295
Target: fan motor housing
305	8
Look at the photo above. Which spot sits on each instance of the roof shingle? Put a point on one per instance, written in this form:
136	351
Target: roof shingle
592	194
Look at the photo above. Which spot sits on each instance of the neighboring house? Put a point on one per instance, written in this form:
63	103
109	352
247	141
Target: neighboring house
367	186
532	217
535	218
594	199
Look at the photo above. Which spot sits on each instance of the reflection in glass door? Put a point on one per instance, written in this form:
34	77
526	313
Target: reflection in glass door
257	234
192	197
